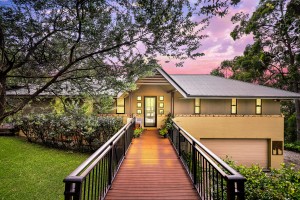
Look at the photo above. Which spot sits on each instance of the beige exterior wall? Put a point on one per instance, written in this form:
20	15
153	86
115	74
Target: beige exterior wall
223	106
270	107
149	91
215	106
246	106
183	106
235	127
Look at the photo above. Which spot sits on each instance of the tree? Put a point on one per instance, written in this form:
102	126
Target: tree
274	58
94	42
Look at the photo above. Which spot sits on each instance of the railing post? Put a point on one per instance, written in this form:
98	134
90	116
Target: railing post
230	190
194	161
73	188
110	164
125	142
179	147
240	188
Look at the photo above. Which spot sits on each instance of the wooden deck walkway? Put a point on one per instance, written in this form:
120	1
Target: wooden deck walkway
152	170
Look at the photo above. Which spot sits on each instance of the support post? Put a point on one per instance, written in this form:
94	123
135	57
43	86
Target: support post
179	147
110	165
73	188
194	161
230	190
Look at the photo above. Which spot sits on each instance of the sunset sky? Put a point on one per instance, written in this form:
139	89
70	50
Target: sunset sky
218	46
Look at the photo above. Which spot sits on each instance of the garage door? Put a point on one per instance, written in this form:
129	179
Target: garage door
243	151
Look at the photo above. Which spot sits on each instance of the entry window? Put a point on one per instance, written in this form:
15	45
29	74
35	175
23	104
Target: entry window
120	106
197	105
233	106
258	106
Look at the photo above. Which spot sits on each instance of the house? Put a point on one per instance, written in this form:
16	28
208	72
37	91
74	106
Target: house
232	118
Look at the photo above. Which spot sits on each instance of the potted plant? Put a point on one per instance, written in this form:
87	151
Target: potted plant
137	132
166	126
163	132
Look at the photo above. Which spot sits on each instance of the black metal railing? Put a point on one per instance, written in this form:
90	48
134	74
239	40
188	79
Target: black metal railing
93	178
211	176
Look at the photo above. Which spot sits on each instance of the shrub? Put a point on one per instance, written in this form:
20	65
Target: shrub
295	146
290	127
77	131
137	132
283	183
163	131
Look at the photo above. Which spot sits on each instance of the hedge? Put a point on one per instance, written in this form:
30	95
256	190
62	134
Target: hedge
278	184
292	146
71	131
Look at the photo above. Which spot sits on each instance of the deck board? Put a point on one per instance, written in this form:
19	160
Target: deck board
152	170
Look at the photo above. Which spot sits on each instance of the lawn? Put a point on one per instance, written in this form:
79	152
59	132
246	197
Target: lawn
31	171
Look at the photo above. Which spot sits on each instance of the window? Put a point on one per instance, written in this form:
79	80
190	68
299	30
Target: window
197	106
277	147
120	106
161	98
139	111
258	110
139	105
161	105
139	98
161	111
233	106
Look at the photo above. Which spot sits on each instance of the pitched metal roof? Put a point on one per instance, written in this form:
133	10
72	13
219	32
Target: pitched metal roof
209	86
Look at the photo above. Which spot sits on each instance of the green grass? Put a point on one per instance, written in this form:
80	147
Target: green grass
31	171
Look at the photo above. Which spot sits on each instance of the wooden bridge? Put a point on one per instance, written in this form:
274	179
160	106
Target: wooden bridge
152	170
152	167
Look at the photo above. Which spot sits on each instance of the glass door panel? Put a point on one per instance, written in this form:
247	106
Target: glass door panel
150	111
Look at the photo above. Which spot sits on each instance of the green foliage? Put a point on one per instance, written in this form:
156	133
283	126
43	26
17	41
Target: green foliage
295	146
163	131
278	184
137	132
290	133
94	46
72	131
167	125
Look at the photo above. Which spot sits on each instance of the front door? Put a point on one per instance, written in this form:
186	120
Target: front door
150	112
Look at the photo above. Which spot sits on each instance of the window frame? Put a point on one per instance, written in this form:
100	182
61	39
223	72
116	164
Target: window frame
120	106
234	103
258	106
197	104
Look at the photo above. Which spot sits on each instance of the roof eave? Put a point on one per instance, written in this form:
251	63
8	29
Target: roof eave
189	96
172	82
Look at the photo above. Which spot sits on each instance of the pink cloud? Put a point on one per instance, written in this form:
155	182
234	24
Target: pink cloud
217	47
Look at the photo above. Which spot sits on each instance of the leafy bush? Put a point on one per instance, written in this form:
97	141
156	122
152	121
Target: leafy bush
167	125
137	132
295	146
72	131
283	183
290	127
163	131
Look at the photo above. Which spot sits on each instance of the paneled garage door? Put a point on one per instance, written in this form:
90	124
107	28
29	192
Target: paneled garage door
243	151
